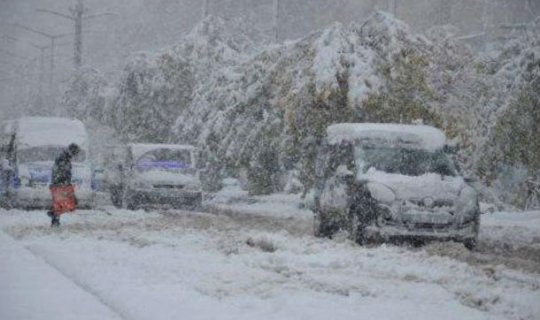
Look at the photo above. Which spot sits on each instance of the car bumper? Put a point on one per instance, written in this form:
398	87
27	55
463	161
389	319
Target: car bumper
171	198
464	232
41	198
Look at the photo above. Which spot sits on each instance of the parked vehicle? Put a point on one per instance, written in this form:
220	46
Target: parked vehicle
34	144
386	182
155	175
108	180
6	169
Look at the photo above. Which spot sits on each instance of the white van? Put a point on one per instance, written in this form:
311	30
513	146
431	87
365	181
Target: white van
35	144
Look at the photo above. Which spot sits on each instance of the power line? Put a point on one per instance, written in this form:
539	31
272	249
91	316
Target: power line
276	20
52	38
11	54
78	15
41	66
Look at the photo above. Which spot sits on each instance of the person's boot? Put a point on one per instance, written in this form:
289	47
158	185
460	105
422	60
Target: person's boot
55	222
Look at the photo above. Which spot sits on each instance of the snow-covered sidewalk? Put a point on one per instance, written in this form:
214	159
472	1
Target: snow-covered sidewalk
145	265
31	288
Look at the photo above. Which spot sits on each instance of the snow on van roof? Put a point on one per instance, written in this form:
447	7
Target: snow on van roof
403	135
138	149
43	131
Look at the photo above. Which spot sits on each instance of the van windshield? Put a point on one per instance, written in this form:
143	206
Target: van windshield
165	159
45	153
410	162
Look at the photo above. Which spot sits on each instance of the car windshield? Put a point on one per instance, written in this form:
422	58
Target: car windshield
165	159
45	153
411	162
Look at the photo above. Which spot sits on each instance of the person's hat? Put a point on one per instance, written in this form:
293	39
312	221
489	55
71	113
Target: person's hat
74	149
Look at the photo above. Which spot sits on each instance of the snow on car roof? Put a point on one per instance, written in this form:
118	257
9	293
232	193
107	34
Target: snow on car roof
402	135
138	149
44	131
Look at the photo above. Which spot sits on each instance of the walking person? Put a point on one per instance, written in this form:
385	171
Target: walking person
62	191
6	181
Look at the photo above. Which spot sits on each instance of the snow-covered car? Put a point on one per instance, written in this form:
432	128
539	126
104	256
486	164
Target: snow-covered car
387	182
157	175
35	143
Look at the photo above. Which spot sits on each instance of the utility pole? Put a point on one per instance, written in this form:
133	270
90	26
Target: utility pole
41	67
276	21
78	15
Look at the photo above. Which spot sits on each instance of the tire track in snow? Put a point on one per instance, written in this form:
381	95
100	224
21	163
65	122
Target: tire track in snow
120	313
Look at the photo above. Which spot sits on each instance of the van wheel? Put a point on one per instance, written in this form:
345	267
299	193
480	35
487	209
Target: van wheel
329	224
116	196
471	243
316	225
130	204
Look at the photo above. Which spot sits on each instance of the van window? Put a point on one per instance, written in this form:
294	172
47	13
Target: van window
411	162
45	153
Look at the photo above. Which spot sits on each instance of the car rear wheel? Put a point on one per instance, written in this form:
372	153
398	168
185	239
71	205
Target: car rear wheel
328	224
116	196
130	203
471	243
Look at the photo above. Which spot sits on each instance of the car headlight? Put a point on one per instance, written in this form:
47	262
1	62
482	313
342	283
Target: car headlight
381	193
25	181
428	202
142	184
467	202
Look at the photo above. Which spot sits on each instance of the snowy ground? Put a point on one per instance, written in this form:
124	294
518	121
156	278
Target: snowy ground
119	264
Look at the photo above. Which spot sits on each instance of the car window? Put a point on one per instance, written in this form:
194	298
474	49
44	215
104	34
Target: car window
45	153
164	159
411	162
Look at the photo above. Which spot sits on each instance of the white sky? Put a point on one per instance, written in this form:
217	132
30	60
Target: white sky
150	25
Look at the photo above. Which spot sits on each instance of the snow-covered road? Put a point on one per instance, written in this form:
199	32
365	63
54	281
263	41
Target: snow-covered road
135	265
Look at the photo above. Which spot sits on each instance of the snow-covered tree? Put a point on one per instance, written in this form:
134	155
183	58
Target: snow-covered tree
152	93
85	96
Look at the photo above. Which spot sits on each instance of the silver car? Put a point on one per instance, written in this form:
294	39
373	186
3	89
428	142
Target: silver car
156	175
390	182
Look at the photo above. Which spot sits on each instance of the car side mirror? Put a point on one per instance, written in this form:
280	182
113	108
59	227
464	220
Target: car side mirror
344	173
203	170
470	180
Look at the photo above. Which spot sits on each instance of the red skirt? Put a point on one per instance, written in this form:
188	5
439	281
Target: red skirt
63	199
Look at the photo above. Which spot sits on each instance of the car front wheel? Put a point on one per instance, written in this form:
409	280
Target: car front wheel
470	243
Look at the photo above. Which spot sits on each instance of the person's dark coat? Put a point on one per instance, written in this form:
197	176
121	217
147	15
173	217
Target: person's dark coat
6	181
6	176
61	171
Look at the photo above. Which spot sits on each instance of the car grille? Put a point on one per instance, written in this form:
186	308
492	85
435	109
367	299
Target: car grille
168	186
436	204
431	226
